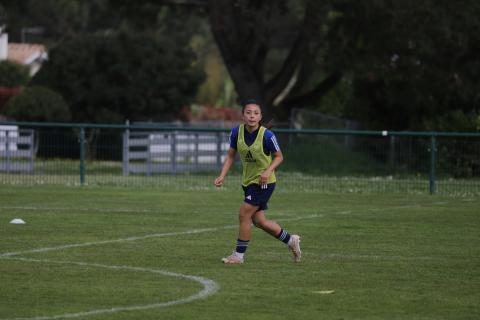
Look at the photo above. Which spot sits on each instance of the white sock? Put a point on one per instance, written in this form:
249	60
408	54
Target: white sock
239	255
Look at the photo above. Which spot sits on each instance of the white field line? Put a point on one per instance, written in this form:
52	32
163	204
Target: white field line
371	257
94	243
111	210
32	208
148	236
344	256
209	288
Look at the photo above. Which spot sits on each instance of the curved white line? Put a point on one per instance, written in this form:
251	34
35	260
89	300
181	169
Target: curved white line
209	287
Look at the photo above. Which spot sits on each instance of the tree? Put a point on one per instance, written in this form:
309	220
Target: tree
411	64
283	37
112	78
414	64
250	34
271	49
38	104
151	47
13	74
13	77
401	64
57	20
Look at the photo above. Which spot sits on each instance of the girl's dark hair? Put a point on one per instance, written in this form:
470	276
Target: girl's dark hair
269	124
244	103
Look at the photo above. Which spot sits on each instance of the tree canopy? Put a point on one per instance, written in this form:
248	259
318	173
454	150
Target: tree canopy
414	64
38	104
407	64
395	64
269	46
13	74
109	63
124	76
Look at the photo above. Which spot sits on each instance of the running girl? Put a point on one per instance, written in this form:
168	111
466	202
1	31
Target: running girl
256	145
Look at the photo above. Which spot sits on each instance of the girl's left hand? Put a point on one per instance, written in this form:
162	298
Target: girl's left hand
264	179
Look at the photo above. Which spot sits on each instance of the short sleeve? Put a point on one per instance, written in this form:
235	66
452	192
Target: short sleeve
271	143
233	138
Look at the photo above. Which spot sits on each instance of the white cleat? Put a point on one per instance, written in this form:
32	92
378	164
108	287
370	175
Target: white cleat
232	259
294	247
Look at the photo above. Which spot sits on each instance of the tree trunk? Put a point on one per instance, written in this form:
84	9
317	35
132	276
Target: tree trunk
234	26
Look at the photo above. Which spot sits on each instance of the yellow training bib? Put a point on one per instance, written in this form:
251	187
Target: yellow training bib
254	160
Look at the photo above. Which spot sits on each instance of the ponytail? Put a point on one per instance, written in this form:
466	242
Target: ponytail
268	125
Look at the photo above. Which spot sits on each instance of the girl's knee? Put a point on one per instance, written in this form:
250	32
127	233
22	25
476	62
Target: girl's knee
246	213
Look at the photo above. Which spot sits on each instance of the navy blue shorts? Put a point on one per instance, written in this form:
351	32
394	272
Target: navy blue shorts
256	196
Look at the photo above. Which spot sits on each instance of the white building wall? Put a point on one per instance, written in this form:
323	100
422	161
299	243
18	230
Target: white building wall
3	46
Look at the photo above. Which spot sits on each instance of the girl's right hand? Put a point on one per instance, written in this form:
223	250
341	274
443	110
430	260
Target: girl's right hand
219	181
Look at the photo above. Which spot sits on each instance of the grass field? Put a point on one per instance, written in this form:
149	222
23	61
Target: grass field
151	253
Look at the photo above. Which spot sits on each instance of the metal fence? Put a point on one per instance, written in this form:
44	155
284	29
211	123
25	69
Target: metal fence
176	157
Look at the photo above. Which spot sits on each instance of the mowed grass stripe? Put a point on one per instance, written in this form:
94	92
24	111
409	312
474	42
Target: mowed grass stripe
383	256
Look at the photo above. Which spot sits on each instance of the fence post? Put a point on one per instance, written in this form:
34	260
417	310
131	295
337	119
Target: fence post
150	137
391	154
82	156
32	146
174	152
126	149
433	161
7	150
196	150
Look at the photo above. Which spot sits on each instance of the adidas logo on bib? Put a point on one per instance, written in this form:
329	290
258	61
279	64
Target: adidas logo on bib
248	197
249	157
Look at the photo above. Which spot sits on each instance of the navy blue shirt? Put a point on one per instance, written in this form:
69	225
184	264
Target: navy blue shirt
270	143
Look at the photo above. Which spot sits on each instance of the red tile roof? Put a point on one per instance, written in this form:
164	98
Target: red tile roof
25	53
